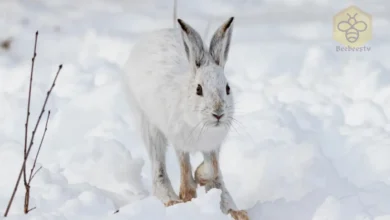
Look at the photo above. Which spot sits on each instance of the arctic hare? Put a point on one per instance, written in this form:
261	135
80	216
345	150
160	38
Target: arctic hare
179	95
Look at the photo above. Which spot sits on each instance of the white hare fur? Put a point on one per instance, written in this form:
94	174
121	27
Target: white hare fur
179	95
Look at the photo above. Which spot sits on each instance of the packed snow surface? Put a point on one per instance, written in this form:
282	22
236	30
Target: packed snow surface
311	139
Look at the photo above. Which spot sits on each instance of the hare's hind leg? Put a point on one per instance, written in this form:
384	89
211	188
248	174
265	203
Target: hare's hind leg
209	174
187	182
156	144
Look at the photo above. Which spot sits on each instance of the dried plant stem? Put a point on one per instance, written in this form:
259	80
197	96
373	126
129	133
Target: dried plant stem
32	173
27	197
28	149
28	107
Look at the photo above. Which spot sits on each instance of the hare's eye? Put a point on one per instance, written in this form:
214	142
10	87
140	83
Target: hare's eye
197	63
199	90
227	89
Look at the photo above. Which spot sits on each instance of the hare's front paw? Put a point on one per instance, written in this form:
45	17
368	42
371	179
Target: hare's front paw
239	214
205	174
187	192
172	202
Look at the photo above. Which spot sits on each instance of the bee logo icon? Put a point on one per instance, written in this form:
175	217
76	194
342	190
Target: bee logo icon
352	27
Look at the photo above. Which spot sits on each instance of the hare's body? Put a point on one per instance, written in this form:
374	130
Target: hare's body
158	75
179	95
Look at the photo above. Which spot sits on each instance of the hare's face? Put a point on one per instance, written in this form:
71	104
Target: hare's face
212	97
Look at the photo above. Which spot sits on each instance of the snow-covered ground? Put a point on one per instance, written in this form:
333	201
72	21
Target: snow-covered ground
313	137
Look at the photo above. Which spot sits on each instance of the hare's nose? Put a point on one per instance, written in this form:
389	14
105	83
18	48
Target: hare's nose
218	116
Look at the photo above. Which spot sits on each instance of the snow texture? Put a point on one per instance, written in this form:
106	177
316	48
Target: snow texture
312	137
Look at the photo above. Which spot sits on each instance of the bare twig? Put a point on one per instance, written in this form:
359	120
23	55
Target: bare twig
14	191
28	107
31	209
27	197
32	174
43	109
22	171
28	149
35	173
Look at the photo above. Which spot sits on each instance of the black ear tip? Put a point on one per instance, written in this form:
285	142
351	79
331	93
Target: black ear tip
230	21
182	24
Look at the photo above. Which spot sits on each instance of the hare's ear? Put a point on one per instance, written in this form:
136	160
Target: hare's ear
193	44
219	45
